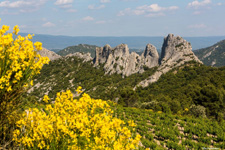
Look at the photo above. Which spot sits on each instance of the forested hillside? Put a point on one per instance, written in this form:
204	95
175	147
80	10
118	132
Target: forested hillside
189	86
213	55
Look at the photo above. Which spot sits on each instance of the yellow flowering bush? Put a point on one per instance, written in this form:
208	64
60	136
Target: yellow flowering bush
69	123
19	63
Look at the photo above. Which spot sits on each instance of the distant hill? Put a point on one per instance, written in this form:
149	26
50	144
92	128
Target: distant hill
85	48
136	42
213	55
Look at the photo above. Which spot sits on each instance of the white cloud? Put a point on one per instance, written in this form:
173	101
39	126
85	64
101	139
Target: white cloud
15	4
94	7
219	4
72	10
151	8
147	10
196	4
105	1
139	12
124	12
63	2
66	4
197	26
23	5
48	24
88	18
10	5
155	8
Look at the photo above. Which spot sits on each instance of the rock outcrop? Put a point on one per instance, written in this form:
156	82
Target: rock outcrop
175	52
119	60
150	56
85	56
50	54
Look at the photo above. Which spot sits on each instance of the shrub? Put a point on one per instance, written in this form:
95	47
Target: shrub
74	124
151	105
19	63
198	111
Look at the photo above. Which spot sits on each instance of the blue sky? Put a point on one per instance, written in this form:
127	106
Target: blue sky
116	17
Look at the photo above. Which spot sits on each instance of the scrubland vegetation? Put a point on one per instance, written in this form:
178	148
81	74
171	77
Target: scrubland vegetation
180	111
199	88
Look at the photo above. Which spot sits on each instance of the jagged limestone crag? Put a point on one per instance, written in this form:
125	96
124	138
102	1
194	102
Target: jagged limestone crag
119	60
150	56
175	52
85	56
50	54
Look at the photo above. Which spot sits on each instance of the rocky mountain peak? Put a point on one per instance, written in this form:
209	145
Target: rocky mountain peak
174	45
106	51
151	50
119	60
150	56
101	54
175	52
107	46
121	49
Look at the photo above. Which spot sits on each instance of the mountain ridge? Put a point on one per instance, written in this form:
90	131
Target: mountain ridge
175	52
60	42
84	48
213	55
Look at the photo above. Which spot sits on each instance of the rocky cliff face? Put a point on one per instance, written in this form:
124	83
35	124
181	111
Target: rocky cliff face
119	60
50	54
150	56
175	52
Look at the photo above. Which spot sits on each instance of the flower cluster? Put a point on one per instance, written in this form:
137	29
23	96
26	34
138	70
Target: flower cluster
19	60
69	123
